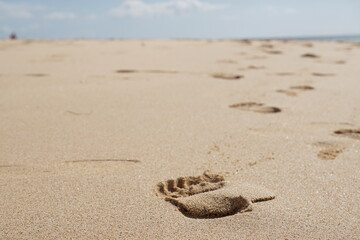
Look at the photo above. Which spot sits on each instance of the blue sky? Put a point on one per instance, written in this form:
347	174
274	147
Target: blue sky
178	18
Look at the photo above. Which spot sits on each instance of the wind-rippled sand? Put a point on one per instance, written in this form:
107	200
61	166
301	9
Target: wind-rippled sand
89	129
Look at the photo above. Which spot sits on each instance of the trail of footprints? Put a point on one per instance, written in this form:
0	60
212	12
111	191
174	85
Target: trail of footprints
209	196
294	90
331	151
328	151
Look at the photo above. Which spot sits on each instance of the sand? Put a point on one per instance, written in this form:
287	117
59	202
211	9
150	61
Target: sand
89	128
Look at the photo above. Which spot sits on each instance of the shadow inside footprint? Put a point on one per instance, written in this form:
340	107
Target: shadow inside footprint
227	61
310	55
161	71
351	133
255	107
145	71
323	74
252	67
37	75
214	202
275	52
302	87
256	67
126	71
227	76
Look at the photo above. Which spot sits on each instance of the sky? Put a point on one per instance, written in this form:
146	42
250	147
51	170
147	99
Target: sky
212	19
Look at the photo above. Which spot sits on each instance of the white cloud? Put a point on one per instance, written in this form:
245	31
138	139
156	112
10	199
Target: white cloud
14	10
61	16
139	8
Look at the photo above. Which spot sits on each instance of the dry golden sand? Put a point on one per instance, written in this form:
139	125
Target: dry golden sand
88	128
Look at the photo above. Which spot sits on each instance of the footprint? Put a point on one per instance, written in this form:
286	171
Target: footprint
215	204
287	92
296	88
126	71
275	52
146	71
256	67
310	55
187	186
285	74
37	75
302	87
323	74
79	113
227	61
308	45
330	151
267	46
220	202
255	107
227	76
160	71
252	67
244	41
257	57
351	133
340	62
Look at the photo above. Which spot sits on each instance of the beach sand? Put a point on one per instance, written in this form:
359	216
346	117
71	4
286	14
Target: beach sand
89	128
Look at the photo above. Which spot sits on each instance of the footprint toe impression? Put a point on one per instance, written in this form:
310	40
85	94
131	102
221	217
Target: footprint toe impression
187	186
207	196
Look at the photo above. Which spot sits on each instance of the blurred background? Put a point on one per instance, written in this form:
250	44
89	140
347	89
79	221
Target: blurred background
211	19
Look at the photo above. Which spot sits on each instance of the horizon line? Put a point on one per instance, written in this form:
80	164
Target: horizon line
300	37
